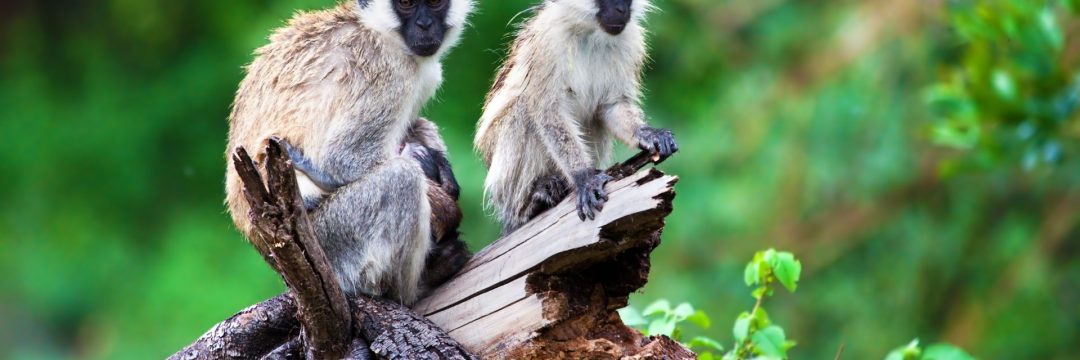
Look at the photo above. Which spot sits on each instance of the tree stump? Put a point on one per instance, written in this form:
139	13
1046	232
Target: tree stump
548	290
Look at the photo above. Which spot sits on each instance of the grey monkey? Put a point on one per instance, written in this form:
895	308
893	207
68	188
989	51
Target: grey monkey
570	84
423	143
346	85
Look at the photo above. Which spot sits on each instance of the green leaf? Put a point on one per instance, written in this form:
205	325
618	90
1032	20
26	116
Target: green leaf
760	292
942	351
787	270
631	317
910	351
705	356
661	306
1004	84
742	326
770	258
700	319
752	273
770	341
1050	28
662	326
683	311
702	342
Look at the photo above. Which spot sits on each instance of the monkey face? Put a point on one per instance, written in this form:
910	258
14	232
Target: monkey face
613	15
423	24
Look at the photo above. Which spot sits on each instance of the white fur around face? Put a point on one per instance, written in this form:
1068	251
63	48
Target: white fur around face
583	12
379	15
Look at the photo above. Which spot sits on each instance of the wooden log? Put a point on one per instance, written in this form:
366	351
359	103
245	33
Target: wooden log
551	288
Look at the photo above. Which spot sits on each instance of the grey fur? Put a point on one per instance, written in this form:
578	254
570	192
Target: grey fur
566	90
340	85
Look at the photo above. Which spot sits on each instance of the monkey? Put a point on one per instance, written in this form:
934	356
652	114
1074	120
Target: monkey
570	83
424	144
345	85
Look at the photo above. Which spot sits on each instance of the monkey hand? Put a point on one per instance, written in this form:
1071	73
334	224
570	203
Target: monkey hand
435	165
590	192
659	142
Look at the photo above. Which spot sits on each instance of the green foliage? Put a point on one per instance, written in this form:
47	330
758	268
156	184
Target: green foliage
802	125
755	335
1009	95
659	318
940	351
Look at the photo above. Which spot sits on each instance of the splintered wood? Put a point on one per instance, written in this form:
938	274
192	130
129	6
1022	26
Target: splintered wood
551	288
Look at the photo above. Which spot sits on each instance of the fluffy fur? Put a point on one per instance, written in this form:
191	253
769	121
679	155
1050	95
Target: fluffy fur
341	85
564	90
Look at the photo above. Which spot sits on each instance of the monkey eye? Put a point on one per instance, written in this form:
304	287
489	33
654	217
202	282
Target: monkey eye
435	3
406	4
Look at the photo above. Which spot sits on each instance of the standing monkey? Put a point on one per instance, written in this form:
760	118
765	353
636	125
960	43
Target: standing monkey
570	83
344	87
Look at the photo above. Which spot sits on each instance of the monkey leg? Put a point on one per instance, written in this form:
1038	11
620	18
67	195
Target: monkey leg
376	231
546	192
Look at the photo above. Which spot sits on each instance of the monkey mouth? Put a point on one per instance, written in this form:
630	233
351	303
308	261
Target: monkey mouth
425	48
613	28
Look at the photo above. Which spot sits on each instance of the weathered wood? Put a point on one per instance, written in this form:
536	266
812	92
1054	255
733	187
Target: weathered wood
548	290
398	333
283	229
255	330
523	295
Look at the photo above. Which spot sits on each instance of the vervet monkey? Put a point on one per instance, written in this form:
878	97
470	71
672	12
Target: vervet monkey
570	84
424	144
345	85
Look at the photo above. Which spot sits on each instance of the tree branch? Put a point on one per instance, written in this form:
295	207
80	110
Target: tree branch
548	290
284	234
255	330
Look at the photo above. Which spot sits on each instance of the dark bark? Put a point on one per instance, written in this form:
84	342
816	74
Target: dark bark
284	233
575	292
396	332
248	334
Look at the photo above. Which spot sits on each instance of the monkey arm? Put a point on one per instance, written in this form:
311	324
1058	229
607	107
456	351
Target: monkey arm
623	119
626	121
304	165
561	138
564	143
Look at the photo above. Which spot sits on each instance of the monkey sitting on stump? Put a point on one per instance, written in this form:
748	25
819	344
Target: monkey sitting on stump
570	83
423	143
345	86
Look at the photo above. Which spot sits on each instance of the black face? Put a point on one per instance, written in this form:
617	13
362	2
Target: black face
423	24
613	15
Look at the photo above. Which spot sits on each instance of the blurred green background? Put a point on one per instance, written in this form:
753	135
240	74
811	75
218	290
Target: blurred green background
915	155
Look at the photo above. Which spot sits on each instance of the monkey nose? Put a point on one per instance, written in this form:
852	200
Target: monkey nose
424	22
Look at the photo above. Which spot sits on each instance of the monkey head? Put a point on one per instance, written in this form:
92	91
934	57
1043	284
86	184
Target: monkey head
610	16
613	15
426	27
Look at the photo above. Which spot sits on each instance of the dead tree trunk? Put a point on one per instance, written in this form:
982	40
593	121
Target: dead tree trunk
548	290
551	288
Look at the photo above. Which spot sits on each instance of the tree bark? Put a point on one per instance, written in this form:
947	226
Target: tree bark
551	289
548	290
254	331
283	233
